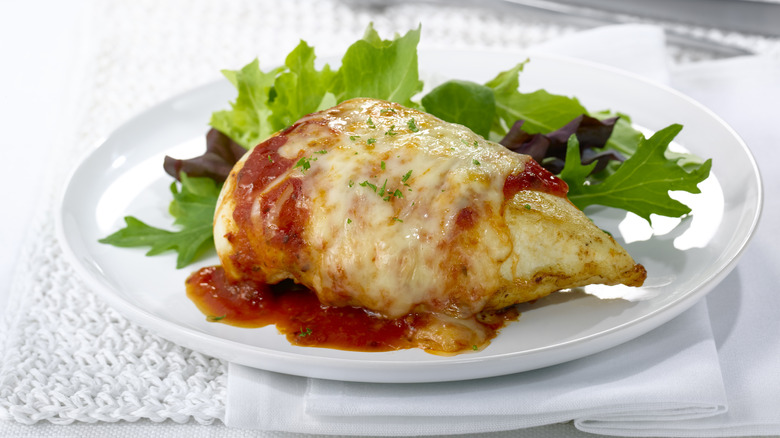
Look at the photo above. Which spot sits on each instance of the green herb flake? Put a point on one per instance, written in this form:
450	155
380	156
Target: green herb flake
406	176
391	131
384	111
370	123
397	219
371	141
382	165
304	164
212	318
369	185
305	332
476	162
527	207
270	160
322	152
349	221
412	125
354	137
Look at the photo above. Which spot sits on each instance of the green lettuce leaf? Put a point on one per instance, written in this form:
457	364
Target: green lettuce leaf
380	69
300	89
463	102
247	123
541	111
193	209
641	184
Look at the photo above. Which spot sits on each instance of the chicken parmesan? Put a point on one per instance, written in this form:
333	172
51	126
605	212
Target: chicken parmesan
407	221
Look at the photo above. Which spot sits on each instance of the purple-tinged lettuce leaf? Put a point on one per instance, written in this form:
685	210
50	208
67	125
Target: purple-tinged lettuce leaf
550	149
216	163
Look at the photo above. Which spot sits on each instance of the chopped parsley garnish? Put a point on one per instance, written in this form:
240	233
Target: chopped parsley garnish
371	141
384	111
527	207
406	176
383	192
305	332
322	152
370	123
397	219
354	137
476	162
391	131
412	125
349	221
369	185
212	318
304	163
382	165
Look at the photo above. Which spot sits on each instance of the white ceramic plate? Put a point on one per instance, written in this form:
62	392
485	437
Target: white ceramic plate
684	260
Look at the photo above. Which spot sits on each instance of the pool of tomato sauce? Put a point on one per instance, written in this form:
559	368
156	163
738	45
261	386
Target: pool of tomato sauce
295	310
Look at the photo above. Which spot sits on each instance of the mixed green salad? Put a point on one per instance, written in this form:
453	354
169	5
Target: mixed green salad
603	159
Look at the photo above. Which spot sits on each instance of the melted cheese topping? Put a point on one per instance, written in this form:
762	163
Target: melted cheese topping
375	205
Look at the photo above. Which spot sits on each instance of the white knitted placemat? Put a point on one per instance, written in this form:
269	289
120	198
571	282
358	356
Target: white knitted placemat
67	356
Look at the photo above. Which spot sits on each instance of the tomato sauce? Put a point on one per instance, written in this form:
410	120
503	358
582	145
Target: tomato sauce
283	209
537	178
297	313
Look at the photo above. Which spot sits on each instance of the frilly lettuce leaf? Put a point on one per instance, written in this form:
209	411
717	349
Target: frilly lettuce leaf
270	101
192	207
641	184
380	69
248	121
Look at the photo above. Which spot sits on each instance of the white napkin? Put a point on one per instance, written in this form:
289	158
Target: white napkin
669	374
745	308
665	383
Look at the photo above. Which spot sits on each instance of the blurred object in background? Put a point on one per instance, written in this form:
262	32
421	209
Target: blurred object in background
695	29
761	17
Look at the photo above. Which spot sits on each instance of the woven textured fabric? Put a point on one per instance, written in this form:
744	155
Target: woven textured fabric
67	356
